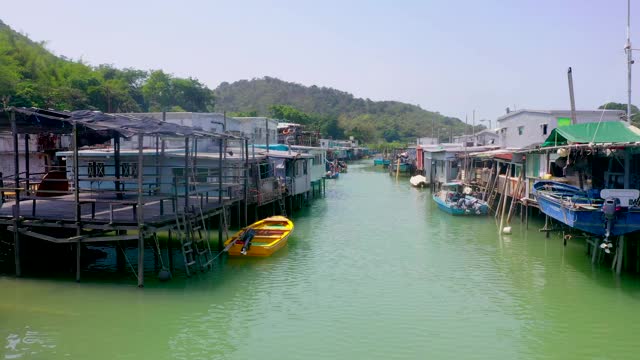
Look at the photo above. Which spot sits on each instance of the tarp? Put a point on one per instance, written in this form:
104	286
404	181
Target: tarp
596	133
94	126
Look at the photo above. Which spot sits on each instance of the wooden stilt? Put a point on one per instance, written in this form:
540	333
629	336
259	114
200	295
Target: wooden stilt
140	215
526	217
546	226
141	259
619	254
78	264
170	250
120	260
596	248
504	201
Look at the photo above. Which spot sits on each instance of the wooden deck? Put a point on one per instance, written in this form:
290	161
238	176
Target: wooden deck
106	209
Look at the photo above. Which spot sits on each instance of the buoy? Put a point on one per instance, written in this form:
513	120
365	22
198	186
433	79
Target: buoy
164	275
506	230
562	152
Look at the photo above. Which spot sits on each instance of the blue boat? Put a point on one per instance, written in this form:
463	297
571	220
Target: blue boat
609	212
381	161
452	200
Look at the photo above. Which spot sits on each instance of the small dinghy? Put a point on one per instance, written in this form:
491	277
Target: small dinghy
262	238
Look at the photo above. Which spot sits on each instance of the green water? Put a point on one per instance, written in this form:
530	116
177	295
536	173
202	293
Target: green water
373	271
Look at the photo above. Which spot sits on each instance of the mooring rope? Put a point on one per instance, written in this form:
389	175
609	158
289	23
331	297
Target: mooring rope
128	262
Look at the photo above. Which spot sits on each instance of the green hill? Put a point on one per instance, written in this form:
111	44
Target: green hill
366	119
30	75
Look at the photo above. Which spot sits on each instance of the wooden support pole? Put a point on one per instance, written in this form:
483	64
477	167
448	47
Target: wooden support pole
140	213
220	222
546	226
515	194
120	260
157	185
619	254
596	248
186	175
116	159
16	207
76	197
504	201
78	259
246	183
26	164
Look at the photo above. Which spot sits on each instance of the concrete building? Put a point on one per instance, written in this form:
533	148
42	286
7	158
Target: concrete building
426	141
481	138
523	128
255	128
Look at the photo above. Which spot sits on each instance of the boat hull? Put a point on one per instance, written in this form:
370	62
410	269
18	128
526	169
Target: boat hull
381	162
588	220
453	210
271	235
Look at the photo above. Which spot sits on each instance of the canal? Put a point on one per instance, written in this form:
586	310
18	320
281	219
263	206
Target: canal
373	271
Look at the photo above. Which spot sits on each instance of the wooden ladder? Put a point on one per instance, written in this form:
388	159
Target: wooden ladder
194	240
493	188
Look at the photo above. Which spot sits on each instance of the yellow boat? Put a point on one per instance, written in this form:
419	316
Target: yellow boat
261	238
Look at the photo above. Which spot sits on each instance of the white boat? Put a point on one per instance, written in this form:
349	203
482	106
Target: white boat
418	181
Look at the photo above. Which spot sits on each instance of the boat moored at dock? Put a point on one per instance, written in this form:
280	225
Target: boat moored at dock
262	238
608	212
453	200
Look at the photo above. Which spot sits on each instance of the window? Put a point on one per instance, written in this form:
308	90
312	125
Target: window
545	128
520	130
317	160
304	167
129	170
266	171
95	169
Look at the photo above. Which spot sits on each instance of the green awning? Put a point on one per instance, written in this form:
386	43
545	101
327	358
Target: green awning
597	133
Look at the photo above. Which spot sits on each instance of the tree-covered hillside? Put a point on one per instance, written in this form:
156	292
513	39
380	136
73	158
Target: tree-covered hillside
30	75
366	119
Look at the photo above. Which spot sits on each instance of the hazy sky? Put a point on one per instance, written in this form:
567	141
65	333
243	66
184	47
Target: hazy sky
446	56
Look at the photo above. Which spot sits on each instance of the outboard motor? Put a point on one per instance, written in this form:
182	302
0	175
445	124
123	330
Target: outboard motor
610	207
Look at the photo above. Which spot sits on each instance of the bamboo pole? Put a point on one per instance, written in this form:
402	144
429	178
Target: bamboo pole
516	193
504	201
397	169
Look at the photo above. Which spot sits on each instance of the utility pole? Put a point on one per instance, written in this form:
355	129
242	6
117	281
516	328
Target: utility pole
628	49
571	97
473	128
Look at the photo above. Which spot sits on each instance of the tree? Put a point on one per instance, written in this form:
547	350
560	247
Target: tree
635	113
289	113
157	91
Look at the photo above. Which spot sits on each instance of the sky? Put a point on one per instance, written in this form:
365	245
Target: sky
448	56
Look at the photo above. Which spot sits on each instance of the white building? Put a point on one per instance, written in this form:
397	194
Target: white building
329	143
426	141
255	128
481	138
524	127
